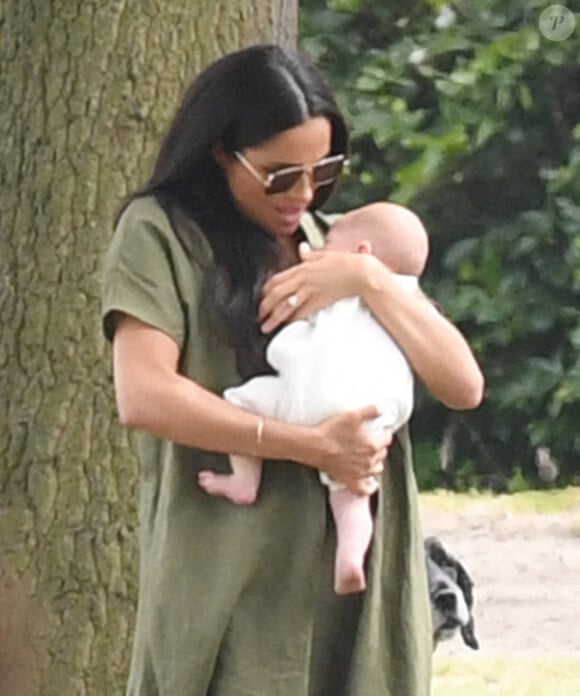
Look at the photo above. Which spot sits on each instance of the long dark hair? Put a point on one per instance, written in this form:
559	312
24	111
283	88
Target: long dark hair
240	101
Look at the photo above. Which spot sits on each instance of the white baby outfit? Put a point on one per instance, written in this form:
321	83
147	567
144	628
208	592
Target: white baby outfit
339	359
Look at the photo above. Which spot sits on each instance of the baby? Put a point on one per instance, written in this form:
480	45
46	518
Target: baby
339	359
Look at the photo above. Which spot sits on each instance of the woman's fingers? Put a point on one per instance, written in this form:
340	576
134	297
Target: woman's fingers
377	467
319	280
371	484
278	287
367	413
282	295
360	451
280	311
363	486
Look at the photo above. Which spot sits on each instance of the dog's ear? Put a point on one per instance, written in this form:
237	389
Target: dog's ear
435	551
468	635
465	583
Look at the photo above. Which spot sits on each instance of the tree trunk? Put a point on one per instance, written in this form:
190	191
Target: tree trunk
87	90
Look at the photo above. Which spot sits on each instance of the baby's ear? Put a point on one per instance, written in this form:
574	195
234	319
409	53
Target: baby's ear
364	248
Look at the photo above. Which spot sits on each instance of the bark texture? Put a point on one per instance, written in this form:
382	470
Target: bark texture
87	89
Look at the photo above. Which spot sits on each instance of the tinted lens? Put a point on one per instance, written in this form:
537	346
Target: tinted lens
284	180
326	172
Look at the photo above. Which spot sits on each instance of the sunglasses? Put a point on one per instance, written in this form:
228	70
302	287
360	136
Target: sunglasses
322	173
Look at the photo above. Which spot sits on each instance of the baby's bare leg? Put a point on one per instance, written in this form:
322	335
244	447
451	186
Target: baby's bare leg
354	529
241	486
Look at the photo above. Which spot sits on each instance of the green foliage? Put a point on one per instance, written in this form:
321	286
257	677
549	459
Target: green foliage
517	482
429	474
467	114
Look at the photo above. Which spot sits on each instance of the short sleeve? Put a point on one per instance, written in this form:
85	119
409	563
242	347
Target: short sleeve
139	274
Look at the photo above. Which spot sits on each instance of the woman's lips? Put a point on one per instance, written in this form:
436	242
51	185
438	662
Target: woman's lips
290	216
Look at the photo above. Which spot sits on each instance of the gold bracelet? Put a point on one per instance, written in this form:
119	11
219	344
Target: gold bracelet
260	431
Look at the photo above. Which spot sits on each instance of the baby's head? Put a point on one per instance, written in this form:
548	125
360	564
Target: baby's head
393	234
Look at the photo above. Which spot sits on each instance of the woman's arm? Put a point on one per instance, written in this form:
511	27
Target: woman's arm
435	348
154	397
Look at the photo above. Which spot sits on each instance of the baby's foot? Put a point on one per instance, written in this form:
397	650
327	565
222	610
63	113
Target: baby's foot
236	489
349	576
354	529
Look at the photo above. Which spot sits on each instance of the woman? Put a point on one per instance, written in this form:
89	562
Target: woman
202	269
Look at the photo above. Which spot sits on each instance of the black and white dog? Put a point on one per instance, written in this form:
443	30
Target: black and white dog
451	595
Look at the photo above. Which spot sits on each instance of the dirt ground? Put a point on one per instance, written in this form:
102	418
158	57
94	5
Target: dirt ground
526	570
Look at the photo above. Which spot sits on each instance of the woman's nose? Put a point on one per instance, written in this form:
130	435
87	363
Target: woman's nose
303	189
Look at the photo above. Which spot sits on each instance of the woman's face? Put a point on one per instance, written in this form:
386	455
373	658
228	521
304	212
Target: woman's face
278	213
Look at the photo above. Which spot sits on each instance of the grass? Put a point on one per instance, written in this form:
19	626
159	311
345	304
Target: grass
484	676
527	502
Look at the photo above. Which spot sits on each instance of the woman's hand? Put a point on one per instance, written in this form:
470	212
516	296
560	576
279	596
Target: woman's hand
322	278
351	453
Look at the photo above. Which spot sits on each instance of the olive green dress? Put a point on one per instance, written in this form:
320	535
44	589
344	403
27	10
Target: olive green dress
238	601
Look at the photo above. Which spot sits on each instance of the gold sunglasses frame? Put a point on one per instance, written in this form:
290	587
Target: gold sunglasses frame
301	168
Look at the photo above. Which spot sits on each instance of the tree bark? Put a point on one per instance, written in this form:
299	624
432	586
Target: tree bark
87	89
